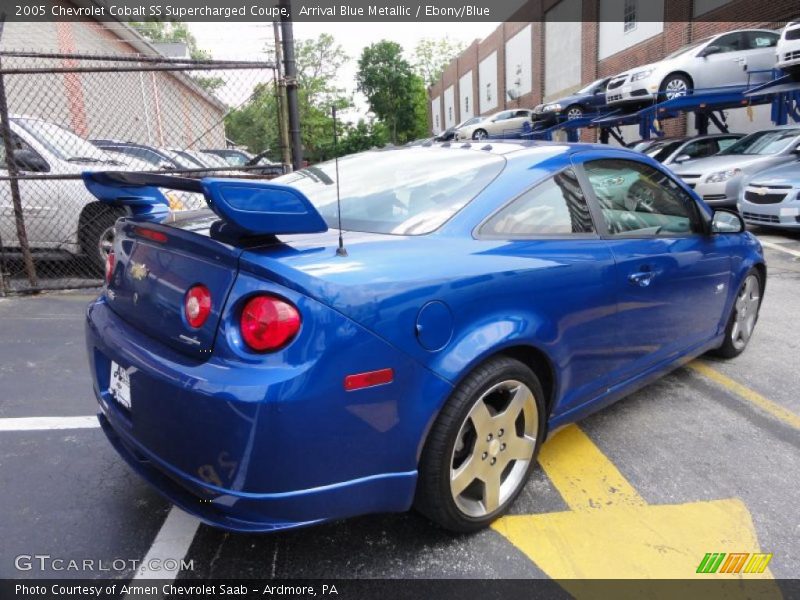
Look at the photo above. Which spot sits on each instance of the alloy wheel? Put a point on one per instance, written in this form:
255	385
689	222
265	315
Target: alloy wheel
746	307
106	242
675	88
494	447
574	113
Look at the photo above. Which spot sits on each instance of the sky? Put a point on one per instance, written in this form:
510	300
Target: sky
246	41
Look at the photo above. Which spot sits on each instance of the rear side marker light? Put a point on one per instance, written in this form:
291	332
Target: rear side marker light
151	234
368	379
268	323
197	306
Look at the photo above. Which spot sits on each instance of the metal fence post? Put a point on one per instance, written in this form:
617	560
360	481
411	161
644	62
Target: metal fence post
13	174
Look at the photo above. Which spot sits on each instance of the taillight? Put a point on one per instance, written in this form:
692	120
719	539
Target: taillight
110	262
268	323
197	305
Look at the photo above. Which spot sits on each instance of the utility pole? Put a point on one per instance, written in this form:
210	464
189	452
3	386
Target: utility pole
283	120
290	74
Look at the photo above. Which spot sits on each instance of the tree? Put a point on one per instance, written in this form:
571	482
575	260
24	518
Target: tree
392	90
255	124
177	31
431	56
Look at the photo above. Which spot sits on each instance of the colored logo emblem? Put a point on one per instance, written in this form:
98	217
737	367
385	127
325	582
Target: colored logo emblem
734	562
138	270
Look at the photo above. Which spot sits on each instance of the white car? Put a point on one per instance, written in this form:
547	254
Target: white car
788	48
503	123
738	58
60	214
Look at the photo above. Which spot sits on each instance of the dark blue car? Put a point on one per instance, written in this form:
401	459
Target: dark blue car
262	376
587	100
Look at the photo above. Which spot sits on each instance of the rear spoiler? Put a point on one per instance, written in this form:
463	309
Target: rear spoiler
254	207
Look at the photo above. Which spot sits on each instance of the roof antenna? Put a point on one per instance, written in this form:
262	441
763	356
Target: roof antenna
340	251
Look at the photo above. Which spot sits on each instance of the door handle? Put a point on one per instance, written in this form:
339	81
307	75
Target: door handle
641	278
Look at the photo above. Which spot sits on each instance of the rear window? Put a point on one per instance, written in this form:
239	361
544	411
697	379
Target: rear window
405	192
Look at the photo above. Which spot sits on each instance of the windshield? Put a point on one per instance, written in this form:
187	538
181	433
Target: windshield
688	48
62	142
763	142
406	192
589	87
234	158
469	122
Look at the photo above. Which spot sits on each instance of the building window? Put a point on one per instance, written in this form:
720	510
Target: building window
437	121
488	92
466	104
449	113
629	15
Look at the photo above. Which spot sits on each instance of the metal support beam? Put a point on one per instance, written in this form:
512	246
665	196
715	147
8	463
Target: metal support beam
290	73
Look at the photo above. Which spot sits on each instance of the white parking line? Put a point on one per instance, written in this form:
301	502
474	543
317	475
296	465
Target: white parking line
169	548
780	248
39	423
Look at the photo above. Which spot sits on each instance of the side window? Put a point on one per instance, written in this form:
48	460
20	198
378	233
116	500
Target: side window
636	199
556	206
756	40
502	116
729	43
700	148
724	143
522	113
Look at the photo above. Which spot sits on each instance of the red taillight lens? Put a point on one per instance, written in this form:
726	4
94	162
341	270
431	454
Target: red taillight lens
197	305
110	262
155	236
268	323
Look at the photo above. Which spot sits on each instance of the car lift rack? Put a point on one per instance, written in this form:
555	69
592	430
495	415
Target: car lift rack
782	92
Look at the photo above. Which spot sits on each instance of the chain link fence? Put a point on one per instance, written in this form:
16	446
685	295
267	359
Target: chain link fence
65	113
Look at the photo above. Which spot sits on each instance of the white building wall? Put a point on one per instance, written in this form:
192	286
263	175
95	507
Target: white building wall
613	38
466	102
487	83
519	57
562	49
449	108
436	115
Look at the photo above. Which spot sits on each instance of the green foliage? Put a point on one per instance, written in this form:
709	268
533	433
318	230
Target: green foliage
255	124
431	56
396	95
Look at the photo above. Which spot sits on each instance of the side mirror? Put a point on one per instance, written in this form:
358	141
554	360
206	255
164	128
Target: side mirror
726	221
709	50
683	158
28	160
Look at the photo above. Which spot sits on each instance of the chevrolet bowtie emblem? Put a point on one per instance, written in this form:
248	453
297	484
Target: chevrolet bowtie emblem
138	270
762	192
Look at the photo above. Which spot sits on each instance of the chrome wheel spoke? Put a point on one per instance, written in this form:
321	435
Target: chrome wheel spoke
522	396
746	311
481	418
519	448
491	492
461	478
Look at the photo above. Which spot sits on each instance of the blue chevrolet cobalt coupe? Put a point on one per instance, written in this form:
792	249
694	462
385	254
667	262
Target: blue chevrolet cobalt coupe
263	376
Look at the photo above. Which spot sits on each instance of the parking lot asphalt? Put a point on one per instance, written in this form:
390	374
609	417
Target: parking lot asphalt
705	460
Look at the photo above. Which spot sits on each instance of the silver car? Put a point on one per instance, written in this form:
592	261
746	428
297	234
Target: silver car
677	150
772	197
718	179
737	58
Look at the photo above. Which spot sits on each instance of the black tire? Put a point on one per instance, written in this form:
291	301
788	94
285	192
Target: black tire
94	227
576	109
671	80
433	495
476	135
730	348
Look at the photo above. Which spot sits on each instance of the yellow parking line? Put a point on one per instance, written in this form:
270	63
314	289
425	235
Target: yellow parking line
768	406
582	474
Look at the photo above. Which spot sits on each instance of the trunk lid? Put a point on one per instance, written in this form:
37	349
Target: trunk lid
155	267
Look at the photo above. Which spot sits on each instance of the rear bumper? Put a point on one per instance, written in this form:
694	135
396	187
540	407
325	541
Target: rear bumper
261	512
268	444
